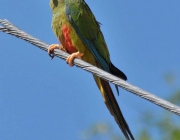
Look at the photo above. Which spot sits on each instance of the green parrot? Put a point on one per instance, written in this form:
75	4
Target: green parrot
79	34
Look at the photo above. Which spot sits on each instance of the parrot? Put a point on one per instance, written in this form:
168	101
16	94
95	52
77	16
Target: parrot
79	34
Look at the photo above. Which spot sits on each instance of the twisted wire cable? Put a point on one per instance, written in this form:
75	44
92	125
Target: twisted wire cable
9	28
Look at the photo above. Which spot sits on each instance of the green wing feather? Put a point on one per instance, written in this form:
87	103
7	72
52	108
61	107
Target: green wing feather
88	29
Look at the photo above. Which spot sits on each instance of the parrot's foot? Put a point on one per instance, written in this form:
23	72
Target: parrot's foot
70	58
54	46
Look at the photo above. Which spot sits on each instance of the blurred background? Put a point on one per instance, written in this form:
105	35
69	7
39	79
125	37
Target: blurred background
44	99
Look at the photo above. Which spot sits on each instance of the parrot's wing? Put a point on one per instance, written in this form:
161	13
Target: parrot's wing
88	29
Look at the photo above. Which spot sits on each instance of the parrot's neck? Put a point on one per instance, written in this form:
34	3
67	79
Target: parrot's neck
56	5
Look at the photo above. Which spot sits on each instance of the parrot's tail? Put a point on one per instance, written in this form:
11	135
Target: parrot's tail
115	71
113	107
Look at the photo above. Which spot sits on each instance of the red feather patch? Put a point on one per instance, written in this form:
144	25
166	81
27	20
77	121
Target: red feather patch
67	40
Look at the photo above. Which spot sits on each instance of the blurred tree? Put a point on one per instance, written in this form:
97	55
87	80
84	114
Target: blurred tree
100	131
166	126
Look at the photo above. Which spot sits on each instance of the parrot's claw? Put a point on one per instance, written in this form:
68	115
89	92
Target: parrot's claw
51	55
54	46
71	57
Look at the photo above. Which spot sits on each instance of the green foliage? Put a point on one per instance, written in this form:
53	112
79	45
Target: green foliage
166	127
100	131
144	135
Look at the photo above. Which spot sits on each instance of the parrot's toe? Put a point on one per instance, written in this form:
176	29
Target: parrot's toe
54	46
71	57
51	50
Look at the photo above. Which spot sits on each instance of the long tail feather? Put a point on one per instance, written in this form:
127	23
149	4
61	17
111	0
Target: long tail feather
113	107
117	72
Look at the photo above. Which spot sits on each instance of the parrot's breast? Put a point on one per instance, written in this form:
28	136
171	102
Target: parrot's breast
67	40
63	30
68	37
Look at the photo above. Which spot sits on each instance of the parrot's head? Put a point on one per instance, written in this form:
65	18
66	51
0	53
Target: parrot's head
55	3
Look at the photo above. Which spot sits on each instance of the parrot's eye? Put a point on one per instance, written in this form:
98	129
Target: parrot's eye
55	2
